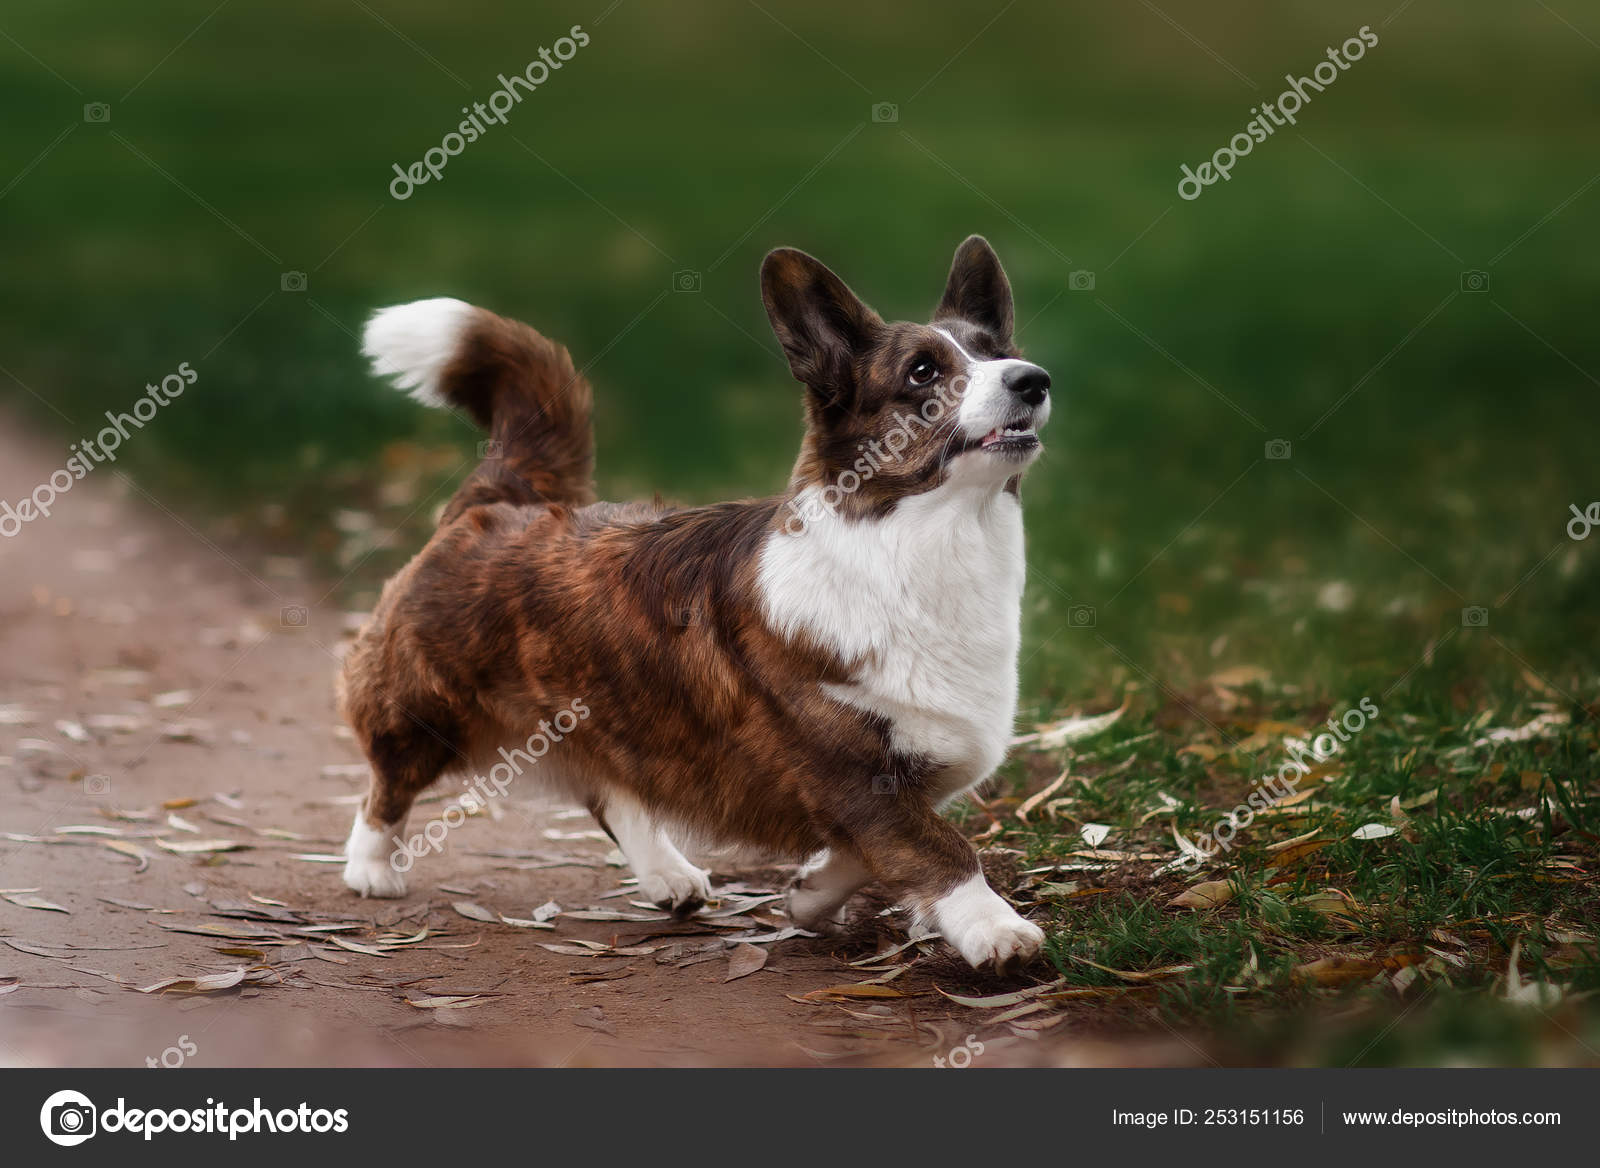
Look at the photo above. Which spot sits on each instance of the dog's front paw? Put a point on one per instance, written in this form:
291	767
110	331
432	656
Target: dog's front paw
984	929
369	866
1000	943
681	889
375	878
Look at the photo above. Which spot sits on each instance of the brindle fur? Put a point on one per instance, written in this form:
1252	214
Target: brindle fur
530	595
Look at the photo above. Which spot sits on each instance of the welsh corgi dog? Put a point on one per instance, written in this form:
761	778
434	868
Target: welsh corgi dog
812	675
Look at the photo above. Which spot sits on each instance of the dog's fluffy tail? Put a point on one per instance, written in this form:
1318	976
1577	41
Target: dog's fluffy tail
516	384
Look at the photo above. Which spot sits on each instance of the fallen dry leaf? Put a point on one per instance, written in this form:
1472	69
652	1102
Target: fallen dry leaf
849	993
1543	725
1206	894
1330	903
1019	1011
1094	834
35	950
1137	975
209	983
23	899
1290	844
523	923
580	948
1338	970
880	958
355	947
201	846
226	931
998	1001
610	914
131	850
1054	735
743	960
1033	801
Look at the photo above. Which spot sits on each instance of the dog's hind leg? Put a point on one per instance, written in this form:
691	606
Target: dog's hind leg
824	886
403	765
666	877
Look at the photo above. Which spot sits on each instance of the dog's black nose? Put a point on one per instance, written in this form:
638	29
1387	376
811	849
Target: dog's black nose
1028	382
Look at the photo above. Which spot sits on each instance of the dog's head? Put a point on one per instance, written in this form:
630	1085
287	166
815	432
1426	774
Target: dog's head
897	409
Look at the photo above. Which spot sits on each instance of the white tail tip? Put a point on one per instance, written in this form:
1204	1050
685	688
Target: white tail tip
411	344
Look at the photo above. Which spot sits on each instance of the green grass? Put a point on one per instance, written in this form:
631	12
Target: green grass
1495	853
1438	436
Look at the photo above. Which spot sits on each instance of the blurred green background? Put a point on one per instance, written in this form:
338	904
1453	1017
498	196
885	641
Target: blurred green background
249	140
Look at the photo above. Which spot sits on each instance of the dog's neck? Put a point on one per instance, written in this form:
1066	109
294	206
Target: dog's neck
922	607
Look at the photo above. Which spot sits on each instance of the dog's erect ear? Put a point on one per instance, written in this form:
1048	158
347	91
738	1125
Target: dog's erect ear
821	324
978	289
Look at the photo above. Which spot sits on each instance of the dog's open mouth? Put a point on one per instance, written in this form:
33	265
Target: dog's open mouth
1009	441
1020	437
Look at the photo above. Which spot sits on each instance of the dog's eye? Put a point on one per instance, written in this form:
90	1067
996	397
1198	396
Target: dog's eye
922	372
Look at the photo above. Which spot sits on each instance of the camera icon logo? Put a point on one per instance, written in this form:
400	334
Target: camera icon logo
97	112
884	784
491	448
687	280
1278	449
68	1118
97	786
1474	281
1474	616
885	112
1081	616
292	616
1080	281
292	282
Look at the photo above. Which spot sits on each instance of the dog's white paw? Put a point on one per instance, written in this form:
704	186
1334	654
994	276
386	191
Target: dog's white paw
369	862
819	900
983	928
374	878
1004	944
681	888
817	910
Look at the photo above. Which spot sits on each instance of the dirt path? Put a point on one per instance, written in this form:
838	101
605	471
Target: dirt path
142	666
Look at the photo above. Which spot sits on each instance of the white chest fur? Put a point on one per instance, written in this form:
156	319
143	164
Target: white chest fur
925	605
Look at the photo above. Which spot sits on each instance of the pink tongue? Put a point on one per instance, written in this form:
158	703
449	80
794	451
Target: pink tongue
991	437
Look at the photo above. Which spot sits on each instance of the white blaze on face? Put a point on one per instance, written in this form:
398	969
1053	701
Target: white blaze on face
988	405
